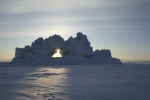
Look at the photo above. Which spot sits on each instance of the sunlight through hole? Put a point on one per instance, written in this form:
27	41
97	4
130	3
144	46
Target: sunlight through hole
57	54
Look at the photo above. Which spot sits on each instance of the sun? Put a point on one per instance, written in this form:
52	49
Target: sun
57	50
57	54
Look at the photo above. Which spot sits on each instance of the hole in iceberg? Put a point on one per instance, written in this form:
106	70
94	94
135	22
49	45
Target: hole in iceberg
57	54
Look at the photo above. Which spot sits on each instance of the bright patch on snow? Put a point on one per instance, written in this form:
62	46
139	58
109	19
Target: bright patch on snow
57	54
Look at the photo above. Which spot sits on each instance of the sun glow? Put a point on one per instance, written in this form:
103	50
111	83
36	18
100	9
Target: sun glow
57	54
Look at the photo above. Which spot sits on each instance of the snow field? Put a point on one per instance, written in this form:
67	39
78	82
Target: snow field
75	82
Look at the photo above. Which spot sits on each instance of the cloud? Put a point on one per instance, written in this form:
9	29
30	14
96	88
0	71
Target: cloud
35	16
100	19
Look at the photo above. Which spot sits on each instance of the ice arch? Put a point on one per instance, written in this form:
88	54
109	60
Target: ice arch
75	50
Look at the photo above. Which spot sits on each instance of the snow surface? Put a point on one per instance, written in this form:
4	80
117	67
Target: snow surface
75	82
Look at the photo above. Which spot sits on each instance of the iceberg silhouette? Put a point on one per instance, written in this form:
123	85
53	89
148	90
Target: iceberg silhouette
74	51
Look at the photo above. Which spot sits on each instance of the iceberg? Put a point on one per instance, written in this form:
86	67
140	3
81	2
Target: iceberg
74	51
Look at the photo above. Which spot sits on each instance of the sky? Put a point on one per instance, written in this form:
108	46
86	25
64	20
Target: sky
123	26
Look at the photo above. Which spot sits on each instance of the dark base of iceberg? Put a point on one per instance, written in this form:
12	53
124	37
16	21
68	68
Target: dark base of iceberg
74	51
68	61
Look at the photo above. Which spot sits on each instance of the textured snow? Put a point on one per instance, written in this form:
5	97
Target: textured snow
74	51
75	82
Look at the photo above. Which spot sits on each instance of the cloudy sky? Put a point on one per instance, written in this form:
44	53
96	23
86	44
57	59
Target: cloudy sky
123	26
